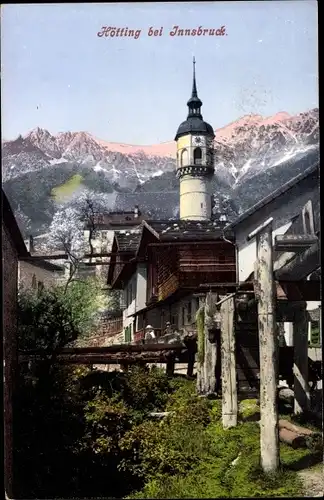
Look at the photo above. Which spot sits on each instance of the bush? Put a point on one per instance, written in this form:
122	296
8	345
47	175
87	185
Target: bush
55	317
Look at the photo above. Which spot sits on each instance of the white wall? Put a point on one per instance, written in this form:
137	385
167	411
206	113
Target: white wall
131	304
247	250
282	210
141	288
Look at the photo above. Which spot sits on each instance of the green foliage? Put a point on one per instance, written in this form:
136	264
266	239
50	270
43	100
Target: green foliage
219	475
200	319
44	321
146	390
174	445
54	317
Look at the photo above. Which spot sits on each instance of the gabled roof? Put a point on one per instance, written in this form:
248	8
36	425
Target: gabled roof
313	170
123	242
11	225
187	230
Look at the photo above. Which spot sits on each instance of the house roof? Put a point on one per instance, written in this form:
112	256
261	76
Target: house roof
127	241
11	225
164	231
313	170
187	230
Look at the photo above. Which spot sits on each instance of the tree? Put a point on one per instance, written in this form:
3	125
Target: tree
66	233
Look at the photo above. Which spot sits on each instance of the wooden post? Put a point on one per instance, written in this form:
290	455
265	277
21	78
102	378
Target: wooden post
301	386
206	373
170	366
269	439
320	325
191	360
228	364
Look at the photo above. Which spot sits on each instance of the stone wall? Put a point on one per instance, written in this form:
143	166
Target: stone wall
10	288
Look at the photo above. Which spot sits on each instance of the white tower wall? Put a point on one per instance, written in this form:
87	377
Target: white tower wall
195	198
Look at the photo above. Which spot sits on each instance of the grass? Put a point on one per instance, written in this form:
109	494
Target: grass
232	467
67	188
219	477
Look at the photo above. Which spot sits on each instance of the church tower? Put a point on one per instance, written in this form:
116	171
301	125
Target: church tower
195	161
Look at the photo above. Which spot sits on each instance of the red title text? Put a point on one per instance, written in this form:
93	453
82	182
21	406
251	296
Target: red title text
112	31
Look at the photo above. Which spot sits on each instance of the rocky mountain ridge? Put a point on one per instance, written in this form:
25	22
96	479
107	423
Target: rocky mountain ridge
39	164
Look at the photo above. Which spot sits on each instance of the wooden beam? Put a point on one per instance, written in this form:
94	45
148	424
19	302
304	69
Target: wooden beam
188	242
228	364
115	348
301	266
268	345
63	256
294	242
104	359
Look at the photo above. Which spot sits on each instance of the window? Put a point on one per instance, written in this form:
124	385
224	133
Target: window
34	282
189	313
307	223
128	333
129	294
315	333
197	156
184	158
183	316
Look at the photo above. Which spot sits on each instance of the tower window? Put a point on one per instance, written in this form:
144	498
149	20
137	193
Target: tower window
184	157
197	156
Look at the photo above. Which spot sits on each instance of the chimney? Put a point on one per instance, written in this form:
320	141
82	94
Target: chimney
136	212
30	244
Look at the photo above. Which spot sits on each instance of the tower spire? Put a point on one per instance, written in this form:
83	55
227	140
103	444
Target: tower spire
194	85
194	104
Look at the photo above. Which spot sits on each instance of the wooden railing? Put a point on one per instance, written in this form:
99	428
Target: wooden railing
140	334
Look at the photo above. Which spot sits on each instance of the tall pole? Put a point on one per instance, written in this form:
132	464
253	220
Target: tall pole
268	345
228	364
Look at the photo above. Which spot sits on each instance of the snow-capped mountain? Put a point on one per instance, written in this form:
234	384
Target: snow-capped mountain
41	171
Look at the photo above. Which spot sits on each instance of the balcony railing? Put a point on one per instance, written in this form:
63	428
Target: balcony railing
140	335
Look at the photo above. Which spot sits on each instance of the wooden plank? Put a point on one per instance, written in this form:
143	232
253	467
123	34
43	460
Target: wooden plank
228	364
128	348
301	266
104	359
269	442
301	386
294	242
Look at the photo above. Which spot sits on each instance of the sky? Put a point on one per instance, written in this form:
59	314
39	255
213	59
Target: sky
59	75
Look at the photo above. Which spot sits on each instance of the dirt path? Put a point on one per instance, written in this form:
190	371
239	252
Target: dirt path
313	480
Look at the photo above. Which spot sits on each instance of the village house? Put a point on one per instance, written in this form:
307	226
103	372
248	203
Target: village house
295	209
161	268
160	271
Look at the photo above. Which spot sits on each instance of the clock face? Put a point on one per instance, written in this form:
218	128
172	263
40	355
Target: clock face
198	141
